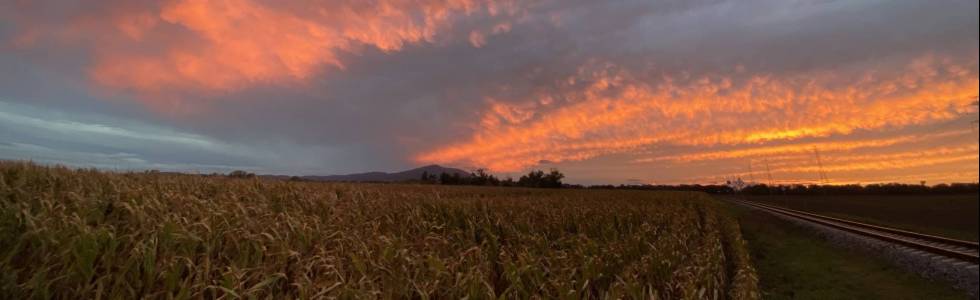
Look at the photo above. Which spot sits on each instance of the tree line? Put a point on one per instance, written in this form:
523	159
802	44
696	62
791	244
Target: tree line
856	189
553	179
710	188
800	189
534	178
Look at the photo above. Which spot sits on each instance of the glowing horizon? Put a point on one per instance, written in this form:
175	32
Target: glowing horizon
653	92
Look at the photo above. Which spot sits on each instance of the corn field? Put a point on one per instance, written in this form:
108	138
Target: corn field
86	234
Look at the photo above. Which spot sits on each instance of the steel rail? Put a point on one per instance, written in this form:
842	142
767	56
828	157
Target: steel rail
897	236
931	238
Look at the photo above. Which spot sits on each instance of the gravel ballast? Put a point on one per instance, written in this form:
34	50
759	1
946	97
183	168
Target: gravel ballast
962	275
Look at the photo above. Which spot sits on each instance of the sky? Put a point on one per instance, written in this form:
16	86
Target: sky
609	92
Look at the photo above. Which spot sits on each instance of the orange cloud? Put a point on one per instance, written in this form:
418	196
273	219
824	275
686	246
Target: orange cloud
479	38
954	163
802	148
888	161
610	111
229	44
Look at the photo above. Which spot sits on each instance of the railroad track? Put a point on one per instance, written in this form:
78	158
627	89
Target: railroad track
956	249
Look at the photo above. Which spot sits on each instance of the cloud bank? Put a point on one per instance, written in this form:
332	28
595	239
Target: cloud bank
630	91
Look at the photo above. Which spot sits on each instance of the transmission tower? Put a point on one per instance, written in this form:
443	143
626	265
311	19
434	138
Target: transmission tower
768	172
823	175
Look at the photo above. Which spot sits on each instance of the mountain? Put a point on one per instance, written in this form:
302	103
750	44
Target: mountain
413	174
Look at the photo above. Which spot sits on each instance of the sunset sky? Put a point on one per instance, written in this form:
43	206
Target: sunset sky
658	92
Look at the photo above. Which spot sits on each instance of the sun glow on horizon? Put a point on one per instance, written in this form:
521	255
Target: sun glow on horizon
654	92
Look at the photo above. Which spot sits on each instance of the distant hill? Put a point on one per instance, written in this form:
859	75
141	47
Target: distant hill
412	174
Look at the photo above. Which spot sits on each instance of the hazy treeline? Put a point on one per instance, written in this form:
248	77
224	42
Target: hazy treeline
870	189
710	189
535	178
553	179
799	189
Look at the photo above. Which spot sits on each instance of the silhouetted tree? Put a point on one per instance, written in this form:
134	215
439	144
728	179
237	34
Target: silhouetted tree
509	181
240	174
532	179
429	178
535	178
482	177
553	179
538	178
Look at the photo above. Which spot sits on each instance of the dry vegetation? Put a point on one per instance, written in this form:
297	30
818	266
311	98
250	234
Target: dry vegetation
88	234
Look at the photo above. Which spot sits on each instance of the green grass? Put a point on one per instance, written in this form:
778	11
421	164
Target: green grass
954	216
87	235
795	263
